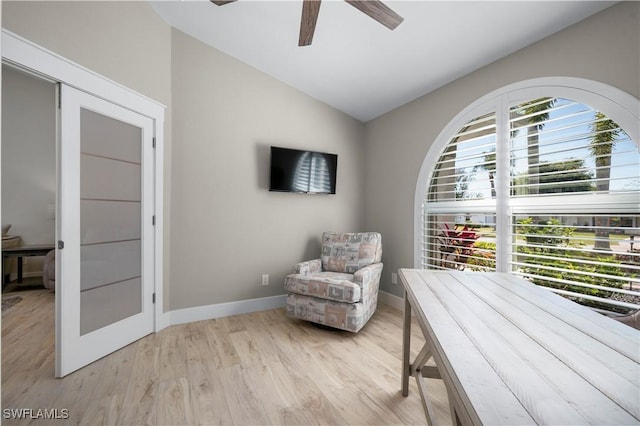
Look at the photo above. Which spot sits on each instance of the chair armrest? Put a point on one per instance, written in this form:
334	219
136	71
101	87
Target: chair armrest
308	267
368	278
368	274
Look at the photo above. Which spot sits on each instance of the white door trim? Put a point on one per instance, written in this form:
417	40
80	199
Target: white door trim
24	54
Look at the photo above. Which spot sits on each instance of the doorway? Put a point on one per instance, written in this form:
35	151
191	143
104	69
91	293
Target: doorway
28	214
85	270
28	174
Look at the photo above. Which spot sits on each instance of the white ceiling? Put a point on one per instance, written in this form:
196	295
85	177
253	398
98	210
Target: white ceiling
360	67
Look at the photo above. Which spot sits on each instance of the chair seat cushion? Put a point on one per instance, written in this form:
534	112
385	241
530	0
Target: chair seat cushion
325	285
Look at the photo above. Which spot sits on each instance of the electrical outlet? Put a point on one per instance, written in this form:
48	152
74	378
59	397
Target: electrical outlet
265	279
394	278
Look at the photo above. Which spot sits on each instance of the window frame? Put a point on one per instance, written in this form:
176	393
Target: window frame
615	103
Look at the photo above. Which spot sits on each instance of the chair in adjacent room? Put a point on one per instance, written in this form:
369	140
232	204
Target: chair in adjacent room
49	270
340	289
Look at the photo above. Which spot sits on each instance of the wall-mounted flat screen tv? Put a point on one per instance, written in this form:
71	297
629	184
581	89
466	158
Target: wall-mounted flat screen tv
309	172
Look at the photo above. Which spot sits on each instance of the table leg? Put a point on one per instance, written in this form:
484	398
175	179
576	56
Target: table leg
19	269
406	346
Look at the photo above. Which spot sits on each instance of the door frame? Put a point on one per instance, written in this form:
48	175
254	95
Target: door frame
25	55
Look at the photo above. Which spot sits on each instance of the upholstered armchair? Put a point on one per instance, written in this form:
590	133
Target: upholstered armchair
49	270
340	289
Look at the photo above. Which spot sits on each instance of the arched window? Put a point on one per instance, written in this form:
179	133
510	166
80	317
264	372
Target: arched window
540	179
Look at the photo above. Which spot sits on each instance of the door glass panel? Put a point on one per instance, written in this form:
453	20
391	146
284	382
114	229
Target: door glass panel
110	220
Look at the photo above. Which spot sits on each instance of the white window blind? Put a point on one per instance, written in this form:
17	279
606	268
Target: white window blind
460	205
466	168
453	242
572	199
580	256
561	146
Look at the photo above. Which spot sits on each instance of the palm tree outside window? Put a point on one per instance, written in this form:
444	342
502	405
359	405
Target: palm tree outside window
570	202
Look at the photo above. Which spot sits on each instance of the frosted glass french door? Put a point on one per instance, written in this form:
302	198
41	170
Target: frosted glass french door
105	285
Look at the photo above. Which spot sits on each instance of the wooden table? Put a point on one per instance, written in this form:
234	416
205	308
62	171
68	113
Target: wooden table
510	352
22	251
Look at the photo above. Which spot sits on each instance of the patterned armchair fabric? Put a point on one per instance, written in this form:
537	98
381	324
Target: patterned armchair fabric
341	288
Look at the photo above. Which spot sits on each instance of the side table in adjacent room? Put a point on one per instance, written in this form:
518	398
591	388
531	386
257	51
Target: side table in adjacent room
23	251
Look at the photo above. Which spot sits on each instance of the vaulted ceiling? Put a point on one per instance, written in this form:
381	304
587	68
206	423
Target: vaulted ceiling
359	66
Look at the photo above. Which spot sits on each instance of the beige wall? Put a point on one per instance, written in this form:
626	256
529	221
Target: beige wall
28	160
227	228
605	47
223	229
124	41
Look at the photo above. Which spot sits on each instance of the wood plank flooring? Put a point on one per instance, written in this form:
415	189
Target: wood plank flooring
255	369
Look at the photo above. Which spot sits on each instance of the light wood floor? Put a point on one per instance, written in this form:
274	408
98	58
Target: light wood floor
259	368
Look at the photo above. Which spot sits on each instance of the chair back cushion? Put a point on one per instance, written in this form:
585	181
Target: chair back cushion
349	252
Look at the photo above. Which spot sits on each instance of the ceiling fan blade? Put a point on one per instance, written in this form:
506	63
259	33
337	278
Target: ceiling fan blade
221	2
378	11
310	10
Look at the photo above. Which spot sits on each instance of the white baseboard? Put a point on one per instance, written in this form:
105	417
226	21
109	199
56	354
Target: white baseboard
162	321
391	300
219	310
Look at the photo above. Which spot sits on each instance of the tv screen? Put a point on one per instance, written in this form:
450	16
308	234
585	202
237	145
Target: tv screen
309	172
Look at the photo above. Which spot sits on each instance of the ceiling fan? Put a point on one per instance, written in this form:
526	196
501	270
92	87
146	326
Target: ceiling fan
310	9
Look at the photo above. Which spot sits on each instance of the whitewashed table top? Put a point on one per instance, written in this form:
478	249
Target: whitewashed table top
520	354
